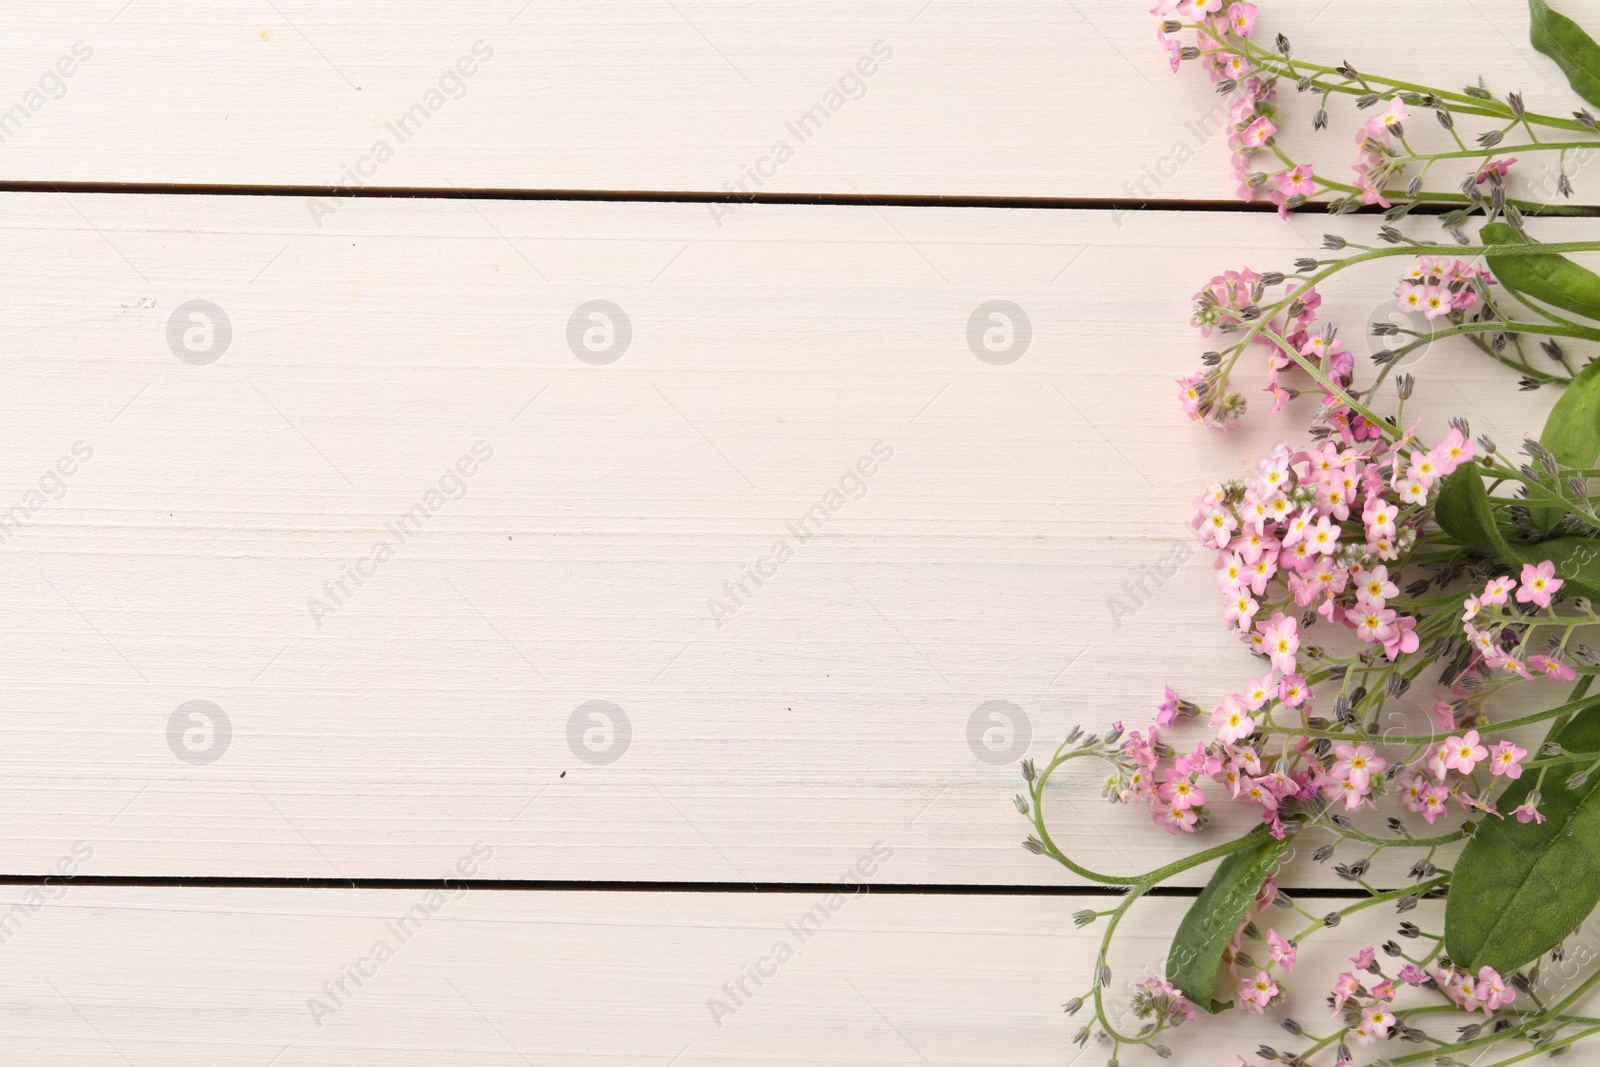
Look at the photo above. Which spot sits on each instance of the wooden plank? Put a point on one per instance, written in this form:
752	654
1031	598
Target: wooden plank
371	726
224	977
1005	97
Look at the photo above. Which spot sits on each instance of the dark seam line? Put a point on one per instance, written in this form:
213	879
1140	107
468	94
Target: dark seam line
1119	204
572	885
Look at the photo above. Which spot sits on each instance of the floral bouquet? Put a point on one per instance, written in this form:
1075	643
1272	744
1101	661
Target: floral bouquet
1416	597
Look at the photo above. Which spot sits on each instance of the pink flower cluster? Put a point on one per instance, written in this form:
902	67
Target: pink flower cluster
1496	646
1374	148
1373	1002
1312	531
1314	523
1486	991
1230	302
1460	754
1252	116
1159	998
1239	20
1439	285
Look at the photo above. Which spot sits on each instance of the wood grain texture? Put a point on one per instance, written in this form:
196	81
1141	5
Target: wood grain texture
971	98
831	709
223	978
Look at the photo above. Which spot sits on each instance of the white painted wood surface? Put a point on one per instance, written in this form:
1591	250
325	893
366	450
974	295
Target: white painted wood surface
830	710
222	978
374	342
979	97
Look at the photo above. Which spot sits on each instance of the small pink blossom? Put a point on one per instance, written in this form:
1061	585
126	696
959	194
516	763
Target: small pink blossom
1539	583
1177	791
1324	536
1167	713
1346	987
1242	19
1389	117
1292	690
1506	758
1280	639
1217	526
1240	609
1374	587
1175	820
1375	624
1257	992
1497	590
1283	951
1492	990
1232	721
1357	764
1464	753
1375	1023
1258	133
1433	803
1498	166
1551	667
1411	974
1260	692
1379	519
1296	181
1453	451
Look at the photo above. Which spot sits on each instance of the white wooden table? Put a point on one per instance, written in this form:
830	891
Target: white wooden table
474	586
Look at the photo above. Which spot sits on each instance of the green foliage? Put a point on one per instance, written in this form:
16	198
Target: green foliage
1565	42
1520	889
1195	958
1549	278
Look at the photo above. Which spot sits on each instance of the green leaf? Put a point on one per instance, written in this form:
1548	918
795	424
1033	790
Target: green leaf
1196	954
1565	42
1519	889
1465	511
1547	277
1572	432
